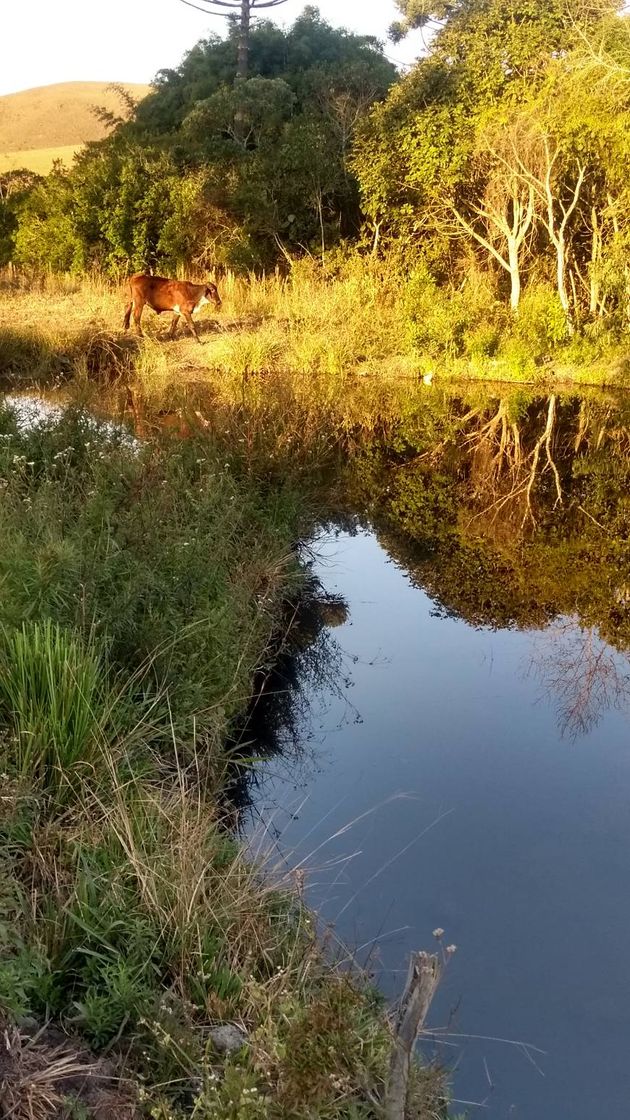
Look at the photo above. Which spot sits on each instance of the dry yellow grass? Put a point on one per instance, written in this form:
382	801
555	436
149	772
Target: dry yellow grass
315	360
53	122
306	326
39	160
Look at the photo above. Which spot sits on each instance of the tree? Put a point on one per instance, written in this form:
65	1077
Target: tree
492	46
503	214
558	188
259	105
15	187
210	170
510	136
229	8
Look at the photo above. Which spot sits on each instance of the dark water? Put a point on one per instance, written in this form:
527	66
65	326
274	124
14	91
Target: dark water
459	754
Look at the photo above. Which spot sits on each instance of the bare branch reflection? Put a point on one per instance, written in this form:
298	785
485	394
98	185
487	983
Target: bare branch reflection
583	674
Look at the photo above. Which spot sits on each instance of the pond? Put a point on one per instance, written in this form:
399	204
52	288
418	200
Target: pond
455	751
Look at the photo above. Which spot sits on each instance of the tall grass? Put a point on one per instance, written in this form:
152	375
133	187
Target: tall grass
306	323
145	923
53	700
161	554
318	325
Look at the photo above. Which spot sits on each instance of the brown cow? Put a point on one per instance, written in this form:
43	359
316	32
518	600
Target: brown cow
179	296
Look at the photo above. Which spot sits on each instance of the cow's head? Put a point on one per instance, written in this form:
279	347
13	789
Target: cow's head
212	295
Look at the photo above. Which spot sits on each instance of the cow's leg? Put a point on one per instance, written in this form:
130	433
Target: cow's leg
173	326
138	308
189	320
127	318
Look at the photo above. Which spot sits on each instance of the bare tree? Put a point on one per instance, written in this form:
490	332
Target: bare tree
558	213
246	8
506	213
502	211
585	674
538	161
506	468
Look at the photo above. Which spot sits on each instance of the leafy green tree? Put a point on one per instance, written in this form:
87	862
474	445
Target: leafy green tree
210	169
261	106
15	187
508	140
310	56
47	234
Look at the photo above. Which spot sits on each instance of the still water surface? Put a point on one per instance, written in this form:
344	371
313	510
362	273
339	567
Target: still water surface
485	777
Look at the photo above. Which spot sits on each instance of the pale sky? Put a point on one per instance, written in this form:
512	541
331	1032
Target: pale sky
44	41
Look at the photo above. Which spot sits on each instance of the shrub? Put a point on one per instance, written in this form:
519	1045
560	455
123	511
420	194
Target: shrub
144	550
541	323
516	356
483	341
447	321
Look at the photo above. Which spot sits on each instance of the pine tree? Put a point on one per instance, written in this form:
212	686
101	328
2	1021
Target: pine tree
246	8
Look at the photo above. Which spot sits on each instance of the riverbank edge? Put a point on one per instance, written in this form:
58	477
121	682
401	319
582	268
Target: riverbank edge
306	329
552	376
314	1035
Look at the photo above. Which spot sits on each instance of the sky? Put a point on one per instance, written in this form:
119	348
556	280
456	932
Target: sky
45	41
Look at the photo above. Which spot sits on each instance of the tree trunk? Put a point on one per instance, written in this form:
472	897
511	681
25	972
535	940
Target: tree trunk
423	979
596	253
515	274
561	274
242	68
242	65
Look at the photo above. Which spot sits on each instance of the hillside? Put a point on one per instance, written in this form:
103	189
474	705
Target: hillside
40	125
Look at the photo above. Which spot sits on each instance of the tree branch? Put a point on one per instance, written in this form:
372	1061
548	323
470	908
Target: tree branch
423	979
482	240
233	5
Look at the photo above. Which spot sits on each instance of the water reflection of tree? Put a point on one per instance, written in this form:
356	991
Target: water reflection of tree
525	455
308	662
584	674
504	466
511	510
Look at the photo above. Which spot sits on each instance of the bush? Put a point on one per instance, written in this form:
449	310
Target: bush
143	551
483	341
49	242
516	358
541	322
447	322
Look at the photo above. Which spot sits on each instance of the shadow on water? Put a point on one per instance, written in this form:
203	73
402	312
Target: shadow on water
485	758
305	658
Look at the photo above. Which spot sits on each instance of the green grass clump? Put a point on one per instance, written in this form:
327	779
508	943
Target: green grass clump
52	700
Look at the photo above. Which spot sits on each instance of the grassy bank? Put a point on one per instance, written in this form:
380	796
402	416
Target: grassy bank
142	586
355	319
